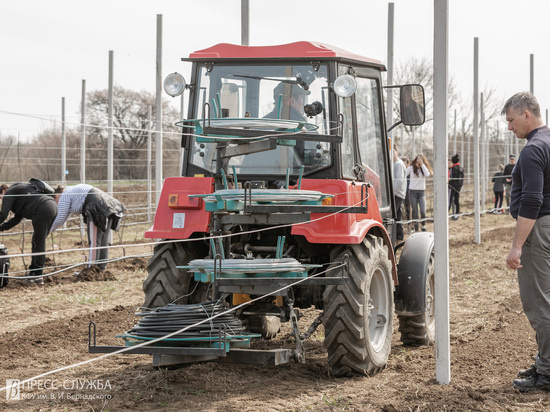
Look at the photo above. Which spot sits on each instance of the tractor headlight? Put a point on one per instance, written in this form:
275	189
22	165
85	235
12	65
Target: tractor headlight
174	84
345	85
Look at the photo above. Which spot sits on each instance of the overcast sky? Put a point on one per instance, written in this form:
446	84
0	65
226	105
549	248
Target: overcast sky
49	47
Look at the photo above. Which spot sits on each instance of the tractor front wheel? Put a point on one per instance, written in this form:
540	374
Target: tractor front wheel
165	283
358	315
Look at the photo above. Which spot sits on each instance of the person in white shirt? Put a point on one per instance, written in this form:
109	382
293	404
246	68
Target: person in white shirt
417	172
101	213
399	191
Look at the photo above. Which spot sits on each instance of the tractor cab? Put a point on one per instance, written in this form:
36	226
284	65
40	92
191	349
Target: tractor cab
302	109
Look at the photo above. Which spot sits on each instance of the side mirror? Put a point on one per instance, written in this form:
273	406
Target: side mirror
412	105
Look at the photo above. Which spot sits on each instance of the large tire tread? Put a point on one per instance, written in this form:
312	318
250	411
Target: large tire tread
346	314
165	283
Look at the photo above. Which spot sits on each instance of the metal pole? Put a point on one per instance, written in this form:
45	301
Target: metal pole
149	165
454	136
83	148
110	152
506	138
110	144
462	144
389	77
516	145
245	22
511	144
63	144
487	158
158	114
83	134
532	73
441	225
402	141
469	150
413	144
477	220
180	163
482	140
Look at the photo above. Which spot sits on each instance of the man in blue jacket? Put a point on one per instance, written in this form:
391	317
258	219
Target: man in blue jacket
530	206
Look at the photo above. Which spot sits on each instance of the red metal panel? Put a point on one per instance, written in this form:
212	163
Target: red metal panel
291	50
179	216
341	228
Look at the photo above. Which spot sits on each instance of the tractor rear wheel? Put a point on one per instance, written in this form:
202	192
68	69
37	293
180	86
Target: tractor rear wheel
358	315
419	330
165	283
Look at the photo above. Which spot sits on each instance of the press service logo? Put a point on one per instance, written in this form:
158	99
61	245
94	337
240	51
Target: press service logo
13	389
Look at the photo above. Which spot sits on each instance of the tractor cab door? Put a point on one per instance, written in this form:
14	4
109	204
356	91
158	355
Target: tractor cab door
364	147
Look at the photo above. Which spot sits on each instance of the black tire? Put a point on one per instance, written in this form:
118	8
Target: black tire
358	315
165	284
419	330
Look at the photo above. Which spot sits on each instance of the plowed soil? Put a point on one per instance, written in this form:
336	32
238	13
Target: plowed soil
45	328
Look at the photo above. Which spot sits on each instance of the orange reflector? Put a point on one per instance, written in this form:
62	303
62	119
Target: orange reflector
327	201
183	201
173	200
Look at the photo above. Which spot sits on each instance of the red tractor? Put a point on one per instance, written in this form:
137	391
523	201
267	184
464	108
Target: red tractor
285	201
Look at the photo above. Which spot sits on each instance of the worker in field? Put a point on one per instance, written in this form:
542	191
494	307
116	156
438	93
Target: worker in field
399	191
530	206
418	171
508	174
101	213
456	181
25	201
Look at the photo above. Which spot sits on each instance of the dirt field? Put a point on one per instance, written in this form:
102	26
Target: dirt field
46	327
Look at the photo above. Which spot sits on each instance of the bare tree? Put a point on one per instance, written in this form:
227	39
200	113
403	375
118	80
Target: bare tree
420	71
131	128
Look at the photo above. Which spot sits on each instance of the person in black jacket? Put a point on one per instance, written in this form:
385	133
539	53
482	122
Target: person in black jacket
25	202
498	188
530	206
456	180
508	175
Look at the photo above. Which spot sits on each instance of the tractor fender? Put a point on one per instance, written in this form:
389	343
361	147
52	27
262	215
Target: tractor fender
412	271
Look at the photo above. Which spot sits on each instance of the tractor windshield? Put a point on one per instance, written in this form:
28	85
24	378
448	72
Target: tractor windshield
259	95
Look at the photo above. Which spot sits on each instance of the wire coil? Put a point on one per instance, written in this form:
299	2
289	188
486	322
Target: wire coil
171	318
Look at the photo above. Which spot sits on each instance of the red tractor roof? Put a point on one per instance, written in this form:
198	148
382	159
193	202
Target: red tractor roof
302	49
